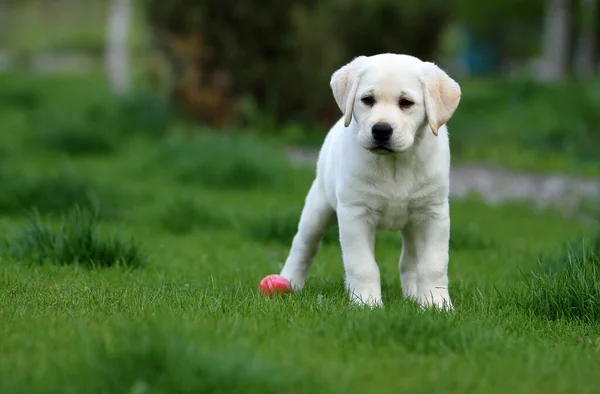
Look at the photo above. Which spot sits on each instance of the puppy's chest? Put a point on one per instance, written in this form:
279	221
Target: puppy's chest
391	214
394	205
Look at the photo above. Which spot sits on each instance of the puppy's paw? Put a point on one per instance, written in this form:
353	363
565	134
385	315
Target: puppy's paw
296	282
369	303
409	290
367	299
436	298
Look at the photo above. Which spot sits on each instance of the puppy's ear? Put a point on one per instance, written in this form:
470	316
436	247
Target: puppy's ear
344	83
442	95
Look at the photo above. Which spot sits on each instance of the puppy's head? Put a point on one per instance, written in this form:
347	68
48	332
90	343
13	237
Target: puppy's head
392	97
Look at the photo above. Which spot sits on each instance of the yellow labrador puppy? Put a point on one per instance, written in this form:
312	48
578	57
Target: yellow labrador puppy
384	166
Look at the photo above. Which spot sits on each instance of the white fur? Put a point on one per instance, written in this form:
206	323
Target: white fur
404	188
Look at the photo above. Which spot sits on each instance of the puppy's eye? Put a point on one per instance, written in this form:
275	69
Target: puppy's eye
368	101
406	103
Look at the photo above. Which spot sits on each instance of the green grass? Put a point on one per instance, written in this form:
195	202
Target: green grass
224	161
183	215
63	26
570	288
53	192
188	319
78	239
515	123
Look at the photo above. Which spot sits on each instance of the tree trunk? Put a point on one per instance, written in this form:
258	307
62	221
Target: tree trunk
575	37
587	42
557	31
596	41
117	34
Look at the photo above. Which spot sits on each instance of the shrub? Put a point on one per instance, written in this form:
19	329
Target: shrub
77	240
566	287
224	161
55	193
281	53
144	113
76	136
521	113
19	92
4	153
77	124
183	215
88	125
79	115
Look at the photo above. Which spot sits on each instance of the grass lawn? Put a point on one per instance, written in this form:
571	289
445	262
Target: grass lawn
63	25
137	273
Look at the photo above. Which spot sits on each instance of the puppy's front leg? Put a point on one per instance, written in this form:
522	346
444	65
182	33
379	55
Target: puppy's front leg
430	235
357	238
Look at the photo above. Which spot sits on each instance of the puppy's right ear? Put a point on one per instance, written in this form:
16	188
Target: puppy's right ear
344	83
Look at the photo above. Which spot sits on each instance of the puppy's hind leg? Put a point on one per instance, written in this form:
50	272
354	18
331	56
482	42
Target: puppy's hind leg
316	218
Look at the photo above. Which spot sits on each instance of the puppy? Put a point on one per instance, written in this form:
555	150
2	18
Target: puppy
384	165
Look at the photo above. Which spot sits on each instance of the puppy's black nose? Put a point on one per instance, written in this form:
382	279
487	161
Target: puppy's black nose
382	131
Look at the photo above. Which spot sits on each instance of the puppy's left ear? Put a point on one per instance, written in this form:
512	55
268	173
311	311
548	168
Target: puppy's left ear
442	95
344	83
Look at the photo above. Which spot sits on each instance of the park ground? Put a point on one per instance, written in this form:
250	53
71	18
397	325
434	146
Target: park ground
130	256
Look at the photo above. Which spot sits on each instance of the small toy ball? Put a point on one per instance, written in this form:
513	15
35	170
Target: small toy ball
274	284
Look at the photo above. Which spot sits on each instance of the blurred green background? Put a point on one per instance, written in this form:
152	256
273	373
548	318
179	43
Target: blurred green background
155	156
528	69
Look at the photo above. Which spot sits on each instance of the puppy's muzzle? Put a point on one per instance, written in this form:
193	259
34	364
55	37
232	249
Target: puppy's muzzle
382	132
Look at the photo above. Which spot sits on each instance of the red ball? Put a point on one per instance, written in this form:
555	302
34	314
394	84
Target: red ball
274	284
